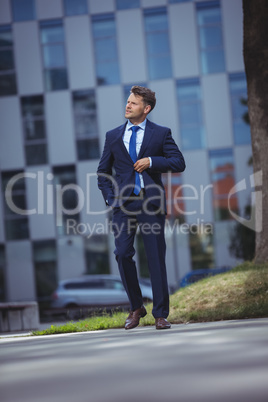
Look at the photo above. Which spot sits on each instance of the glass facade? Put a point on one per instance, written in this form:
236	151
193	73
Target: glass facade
45	267
67	196
192	128
75	7
33	117
8	85
202	248
157	41
238	90
2	273
174	196
23	10
223	179
97	255
34	138
106	55
14	194
125	4
210	37
86	126
54	59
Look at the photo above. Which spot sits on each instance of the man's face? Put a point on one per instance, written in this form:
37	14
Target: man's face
136	111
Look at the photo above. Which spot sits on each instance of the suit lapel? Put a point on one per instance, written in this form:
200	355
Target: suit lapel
121	142
148	134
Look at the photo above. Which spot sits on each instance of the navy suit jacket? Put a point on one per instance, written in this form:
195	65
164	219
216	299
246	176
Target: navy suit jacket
157	144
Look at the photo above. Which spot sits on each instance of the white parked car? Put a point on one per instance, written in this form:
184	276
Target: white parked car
95	291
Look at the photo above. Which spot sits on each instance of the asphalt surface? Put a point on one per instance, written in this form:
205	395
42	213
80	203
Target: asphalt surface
224	361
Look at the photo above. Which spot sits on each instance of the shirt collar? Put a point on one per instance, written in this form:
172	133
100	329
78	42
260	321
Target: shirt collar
141	125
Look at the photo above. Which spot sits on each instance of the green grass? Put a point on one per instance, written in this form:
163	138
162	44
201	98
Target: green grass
238	294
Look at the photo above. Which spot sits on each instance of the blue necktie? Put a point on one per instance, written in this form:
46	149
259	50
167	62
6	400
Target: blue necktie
133	154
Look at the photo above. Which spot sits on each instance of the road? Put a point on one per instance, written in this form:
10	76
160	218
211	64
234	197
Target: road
210	362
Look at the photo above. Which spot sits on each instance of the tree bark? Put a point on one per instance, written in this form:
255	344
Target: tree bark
256	67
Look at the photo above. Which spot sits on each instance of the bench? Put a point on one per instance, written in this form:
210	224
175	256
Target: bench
19	316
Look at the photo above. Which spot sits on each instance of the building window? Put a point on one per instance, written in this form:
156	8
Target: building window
14	191
8	84
210	37
86	126
157	41
238	90
174	196
23	10
223	179
192	128
67	198
45	266
201	247
2	273
32	109
106	56
75	7
54	59
97	255
124	4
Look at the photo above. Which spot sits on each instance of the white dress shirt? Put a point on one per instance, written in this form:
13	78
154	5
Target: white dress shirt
139	139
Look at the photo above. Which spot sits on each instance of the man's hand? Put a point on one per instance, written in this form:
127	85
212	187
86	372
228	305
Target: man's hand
142	164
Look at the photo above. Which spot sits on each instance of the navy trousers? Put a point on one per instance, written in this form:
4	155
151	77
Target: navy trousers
125	223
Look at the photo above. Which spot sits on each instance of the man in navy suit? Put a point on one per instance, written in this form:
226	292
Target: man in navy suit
139	151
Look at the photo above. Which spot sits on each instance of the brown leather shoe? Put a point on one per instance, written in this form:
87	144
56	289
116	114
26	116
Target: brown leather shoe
162	323
134	317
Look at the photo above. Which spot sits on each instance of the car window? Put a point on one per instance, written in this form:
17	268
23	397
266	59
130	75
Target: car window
114	284
85	285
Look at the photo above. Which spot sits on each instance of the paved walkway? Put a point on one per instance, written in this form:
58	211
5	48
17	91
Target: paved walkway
207	362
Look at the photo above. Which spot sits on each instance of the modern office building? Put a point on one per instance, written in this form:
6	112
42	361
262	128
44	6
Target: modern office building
66	68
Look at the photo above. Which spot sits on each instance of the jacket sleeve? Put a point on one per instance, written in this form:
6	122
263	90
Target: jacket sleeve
172	159
104	172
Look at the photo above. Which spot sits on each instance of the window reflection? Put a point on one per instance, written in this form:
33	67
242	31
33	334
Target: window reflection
223	179
125	4
2	273
86	127
23	10
201	247
210	37
238	89
54	59
174	196
192	128
45	266
106	57
16	225
35	141
97	255
157	40
179	1
63	176
8	84
75	7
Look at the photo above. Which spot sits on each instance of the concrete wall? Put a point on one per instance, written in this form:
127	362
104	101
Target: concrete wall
28	58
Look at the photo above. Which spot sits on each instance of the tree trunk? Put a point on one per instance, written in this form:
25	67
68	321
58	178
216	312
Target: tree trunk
256	66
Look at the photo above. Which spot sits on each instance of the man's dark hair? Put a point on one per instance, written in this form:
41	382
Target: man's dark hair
147	95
